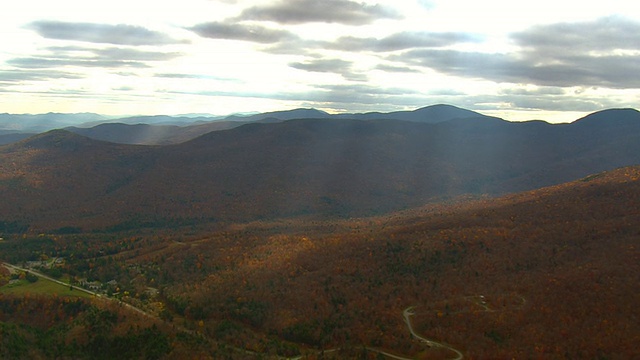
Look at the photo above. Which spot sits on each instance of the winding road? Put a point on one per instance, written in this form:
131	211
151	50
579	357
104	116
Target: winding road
407	313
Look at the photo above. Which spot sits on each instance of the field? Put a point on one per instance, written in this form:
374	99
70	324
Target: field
41	287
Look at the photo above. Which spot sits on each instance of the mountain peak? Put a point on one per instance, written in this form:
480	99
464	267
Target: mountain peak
434	114
620	116
446	110
61	139
302	113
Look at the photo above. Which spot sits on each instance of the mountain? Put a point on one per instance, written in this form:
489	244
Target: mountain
282	115
318	168
44	122
176	129
610	118
8	137
154	120
145	131
165	130
430	114
145	134
330	238
127	134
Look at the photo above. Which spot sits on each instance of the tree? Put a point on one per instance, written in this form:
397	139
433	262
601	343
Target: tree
31	277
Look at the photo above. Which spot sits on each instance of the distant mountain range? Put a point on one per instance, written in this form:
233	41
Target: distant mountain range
162	129
44	122
323	167
145	134
166	130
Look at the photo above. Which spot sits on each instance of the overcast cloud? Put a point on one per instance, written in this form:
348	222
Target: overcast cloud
335	66
600	35
584	54
325	11
101	33
109	57
243	32
402	41
47	63
19	76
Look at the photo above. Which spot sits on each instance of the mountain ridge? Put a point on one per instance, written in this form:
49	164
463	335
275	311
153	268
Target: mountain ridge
162	135
305	167
619	116
187	128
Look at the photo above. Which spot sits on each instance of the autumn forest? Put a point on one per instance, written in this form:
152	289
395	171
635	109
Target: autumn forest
133	251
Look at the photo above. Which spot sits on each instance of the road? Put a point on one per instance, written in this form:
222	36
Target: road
41	275
407	313
75	287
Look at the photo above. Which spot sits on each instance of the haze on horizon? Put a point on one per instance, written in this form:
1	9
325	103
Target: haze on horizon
547	60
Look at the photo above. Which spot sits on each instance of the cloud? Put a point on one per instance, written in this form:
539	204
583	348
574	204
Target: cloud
545	90
367	89
116	53
355	96
603	52
236	31
19	76
101	33
325	11
599	53
396	42
601	35
462	63
323	65
363	94
396	69
336	66
564	103
545	98
177	76
446	92
112	57
194	76
403	41
47	63
295	46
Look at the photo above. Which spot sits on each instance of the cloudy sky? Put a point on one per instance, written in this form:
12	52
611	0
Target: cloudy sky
548	59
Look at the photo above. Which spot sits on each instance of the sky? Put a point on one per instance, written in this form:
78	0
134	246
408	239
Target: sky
553	60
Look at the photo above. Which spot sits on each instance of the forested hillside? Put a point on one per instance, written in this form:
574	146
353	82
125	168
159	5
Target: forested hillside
318	168
550	273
